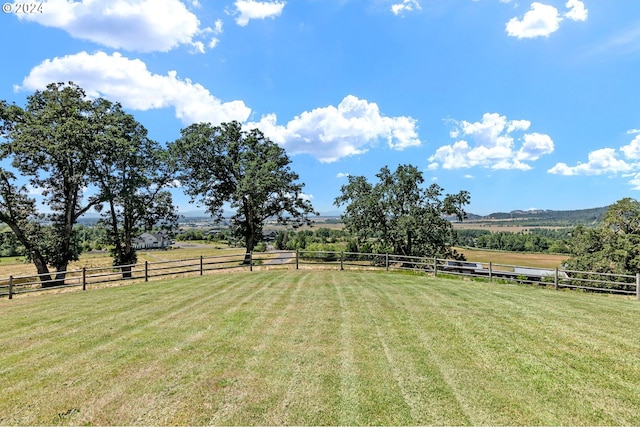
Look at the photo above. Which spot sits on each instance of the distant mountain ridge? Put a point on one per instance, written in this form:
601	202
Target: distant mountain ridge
574	217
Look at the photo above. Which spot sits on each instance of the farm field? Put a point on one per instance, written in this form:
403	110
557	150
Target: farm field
496	226
527	259
319	348
17	267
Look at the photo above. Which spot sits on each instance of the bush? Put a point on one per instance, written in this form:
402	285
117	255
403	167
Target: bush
321	252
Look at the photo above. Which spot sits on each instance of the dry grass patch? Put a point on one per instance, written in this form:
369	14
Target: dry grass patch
514	258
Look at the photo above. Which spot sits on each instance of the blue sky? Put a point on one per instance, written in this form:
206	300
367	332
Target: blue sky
524	104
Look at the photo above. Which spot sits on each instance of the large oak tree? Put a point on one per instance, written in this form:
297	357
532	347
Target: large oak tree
63	143
400	214
226	164
132	173
50	142
611	247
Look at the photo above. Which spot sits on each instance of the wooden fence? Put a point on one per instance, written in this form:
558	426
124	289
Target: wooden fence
492	272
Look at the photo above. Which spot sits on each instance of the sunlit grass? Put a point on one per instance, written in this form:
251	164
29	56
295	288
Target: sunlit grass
320	348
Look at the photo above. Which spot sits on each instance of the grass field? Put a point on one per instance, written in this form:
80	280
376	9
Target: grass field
330	348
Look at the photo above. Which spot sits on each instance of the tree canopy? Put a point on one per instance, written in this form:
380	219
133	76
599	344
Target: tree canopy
401	215
62	142
226	164
613	246
132	173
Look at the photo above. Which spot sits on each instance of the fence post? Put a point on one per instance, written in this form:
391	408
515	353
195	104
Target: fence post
297	251
435	267
386	261
201	265
10	287
84	278
638	286
251	261
341	260
146	271
490	272
555	280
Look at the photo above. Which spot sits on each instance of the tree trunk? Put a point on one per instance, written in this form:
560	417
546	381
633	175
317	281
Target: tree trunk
43	270
128	257
126	271
249	243
61	273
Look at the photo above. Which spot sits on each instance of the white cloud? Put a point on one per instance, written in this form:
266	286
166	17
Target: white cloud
633	131
251	9
540	21
129	82
602	161
608	161
342	175
577	10
635	181
330	133
217	27
493	145
632	150
405	6
134	25
535	145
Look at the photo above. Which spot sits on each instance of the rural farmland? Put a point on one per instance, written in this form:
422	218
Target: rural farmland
319	348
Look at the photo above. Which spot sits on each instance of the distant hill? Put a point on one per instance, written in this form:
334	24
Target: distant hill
544	217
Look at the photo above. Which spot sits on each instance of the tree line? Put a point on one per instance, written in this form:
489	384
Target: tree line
532	240
84	154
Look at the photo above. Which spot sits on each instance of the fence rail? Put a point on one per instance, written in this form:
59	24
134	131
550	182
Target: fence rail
493	272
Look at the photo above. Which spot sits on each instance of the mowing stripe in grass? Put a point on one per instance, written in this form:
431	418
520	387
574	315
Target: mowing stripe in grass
347	407
416	364
320	348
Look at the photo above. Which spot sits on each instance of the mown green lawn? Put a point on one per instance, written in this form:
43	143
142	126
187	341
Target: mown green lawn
320	347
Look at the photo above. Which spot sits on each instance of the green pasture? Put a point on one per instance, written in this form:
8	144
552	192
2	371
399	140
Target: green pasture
320	348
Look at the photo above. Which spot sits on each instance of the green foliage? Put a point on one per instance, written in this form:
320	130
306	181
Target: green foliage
51	142
63	143
400	215
131	171
614	246
260	247
322	251
281	240
9	244
225	164
534	240
190	235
